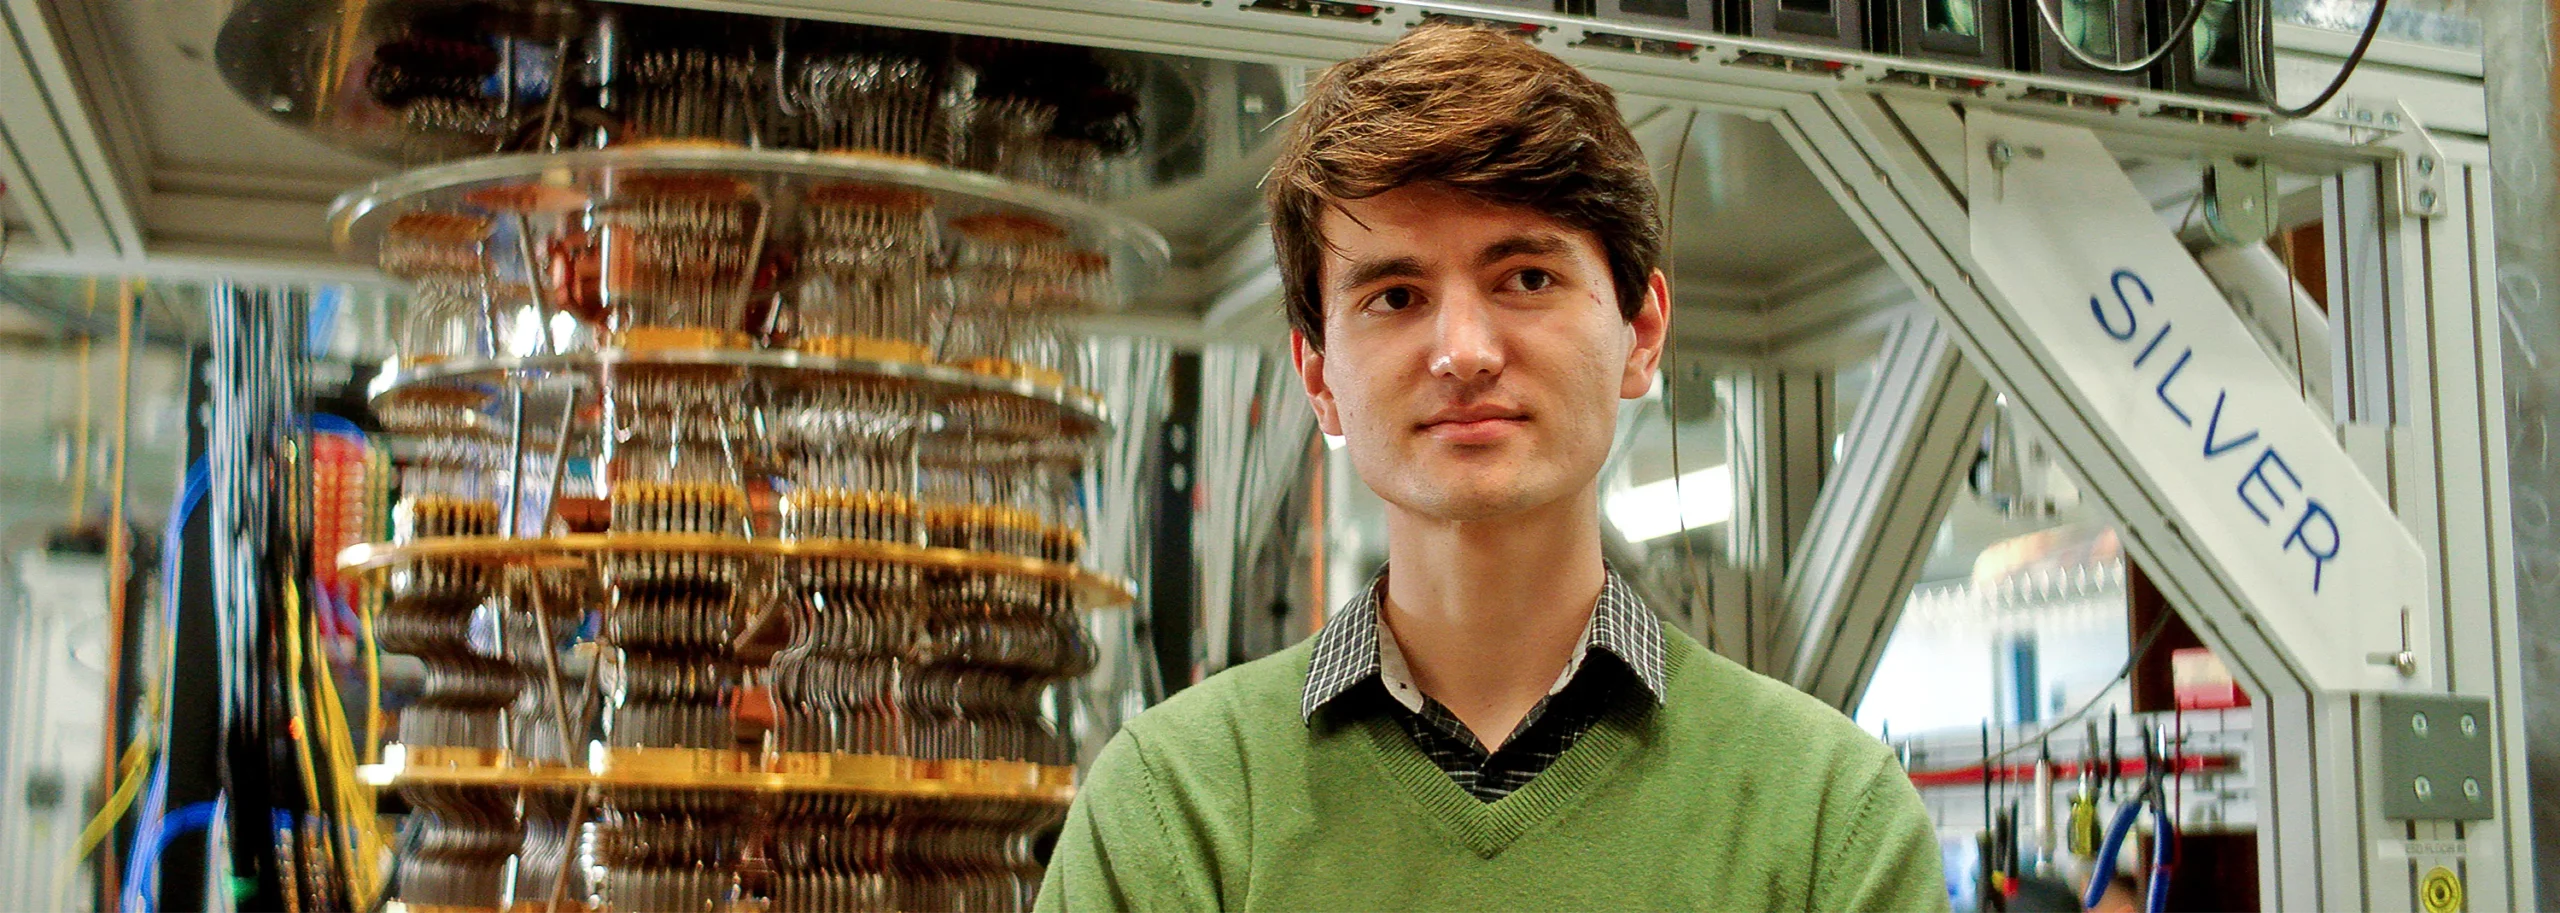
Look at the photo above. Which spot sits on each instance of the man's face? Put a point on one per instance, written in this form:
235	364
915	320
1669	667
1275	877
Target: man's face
1474	352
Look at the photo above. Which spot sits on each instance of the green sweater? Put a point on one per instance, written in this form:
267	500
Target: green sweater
1737	793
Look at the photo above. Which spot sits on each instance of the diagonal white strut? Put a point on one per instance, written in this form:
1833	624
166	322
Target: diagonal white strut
2224	455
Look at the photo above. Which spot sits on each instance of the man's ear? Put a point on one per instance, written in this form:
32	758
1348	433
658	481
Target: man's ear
1310	362
1652	327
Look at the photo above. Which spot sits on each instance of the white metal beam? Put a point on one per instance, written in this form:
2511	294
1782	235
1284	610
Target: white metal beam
1907	449
2323	843
58	172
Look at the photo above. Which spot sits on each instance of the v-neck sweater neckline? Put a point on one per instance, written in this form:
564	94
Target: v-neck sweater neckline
1488	828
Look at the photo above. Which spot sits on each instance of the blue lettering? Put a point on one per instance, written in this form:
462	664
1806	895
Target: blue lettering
2154	344
2311	510
2122	303
2258	473
2162	389
2213	427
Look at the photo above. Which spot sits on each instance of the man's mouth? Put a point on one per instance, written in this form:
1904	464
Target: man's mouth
1474	424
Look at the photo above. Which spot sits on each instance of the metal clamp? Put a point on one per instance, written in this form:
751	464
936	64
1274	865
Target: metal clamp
2422	163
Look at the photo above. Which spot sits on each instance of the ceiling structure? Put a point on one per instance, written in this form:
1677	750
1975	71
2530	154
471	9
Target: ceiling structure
131	155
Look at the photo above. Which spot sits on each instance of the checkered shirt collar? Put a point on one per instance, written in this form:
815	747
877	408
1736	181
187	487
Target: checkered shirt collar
1346	651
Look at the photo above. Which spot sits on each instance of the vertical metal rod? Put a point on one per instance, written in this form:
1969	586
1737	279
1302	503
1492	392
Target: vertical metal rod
508	511
569	855
533	280
550	659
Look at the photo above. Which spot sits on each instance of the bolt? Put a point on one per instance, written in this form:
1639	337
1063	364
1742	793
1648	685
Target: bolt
2470	726
2426	164
2001	154
2365	117
2426	790
2471	789
2390	120
2418	724
2426	199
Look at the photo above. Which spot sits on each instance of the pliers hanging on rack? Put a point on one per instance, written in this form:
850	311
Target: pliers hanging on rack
2164	837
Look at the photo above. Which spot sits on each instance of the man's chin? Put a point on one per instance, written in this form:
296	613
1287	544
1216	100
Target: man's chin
1473	502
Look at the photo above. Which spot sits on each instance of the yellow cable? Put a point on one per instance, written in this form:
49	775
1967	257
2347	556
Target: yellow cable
129	784
126	780
299	729
377	477
360	831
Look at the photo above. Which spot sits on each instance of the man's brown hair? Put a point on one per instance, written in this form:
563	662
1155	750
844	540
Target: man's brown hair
1476	111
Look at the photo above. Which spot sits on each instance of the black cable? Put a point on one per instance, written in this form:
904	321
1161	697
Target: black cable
2263	80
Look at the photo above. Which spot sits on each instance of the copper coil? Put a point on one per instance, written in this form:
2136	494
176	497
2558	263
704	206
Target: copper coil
548	845
691	93
458	727
970	855
672	619
1012	229
677	506
431	413
643	725
689	201
426	243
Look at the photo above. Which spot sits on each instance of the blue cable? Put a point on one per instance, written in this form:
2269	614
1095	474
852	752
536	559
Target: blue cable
333	424
192	818
323	322
152	831
156	827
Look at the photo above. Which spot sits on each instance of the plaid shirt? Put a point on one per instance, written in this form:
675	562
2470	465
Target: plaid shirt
1354	654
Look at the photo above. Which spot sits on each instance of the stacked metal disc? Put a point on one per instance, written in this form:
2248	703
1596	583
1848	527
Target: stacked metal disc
439	610
817	492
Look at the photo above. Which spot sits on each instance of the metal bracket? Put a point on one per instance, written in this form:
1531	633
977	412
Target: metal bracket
2436	762
2239	200
2422	165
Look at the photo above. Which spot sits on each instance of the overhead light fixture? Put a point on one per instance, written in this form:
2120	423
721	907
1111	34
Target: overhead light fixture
1653	510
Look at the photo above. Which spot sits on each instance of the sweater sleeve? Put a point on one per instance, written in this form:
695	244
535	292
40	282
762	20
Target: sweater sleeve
1116	851
1890	859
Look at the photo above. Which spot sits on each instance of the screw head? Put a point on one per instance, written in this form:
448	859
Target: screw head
2426	199
2418	724
2364	117
2426	789
2001	154
2471	789
2470	726
2390	120
2426	164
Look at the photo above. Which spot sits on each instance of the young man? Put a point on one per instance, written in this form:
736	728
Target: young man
1468	233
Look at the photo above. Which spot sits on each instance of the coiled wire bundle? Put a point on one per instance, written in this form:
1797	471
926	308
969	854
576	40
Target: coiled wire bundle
830	467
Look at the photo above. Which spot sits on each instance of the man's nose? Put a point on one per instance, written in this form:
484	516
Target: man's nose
1468	346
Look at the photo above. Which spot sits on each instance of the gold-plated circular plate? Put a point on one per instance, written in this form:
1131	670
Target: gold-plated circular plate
1094	590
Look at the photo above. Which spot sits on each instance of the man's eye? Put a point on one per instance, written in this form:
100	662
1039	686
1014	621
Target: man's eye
1394	299
1532	280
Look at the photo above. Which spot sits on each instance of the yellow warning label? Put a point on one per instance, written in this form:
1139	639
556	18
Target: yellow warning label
2440	891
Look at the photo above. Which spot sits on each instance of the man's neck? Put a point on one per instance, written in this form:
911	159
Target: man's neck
1487	612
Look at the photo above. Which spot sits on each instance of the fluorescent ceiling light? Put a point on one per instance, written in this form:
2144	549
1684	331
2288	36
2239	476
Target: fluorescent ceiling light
1656	509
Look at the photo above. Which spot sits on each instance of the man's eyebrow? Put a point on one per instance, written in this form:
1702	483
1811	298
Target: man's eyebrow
1368	271
1536	244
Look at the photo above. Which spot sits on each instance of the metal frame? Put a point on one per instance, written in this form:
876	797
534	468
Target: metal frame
1778	442
2418	385
2322	843
1915	435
